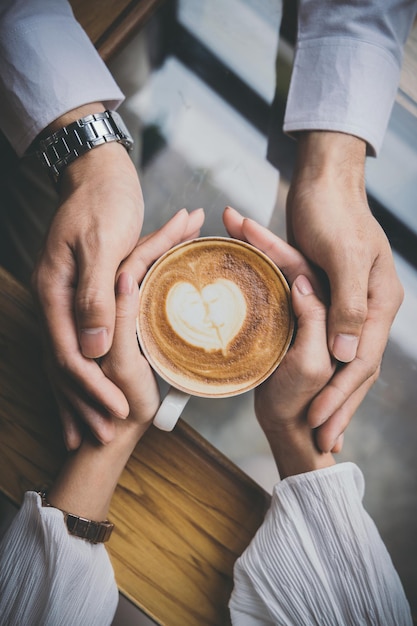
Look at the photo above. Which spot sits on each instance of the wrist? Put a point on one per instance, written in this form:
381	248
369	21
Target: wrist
295	451
73	116
326	154
90	475
95	165
76	133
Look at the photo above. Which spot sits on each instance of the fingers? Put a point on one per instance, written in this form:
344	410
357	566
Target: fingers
307	367
349	288
195	222
341	387
94	304
311	364
77	412
181	227
99	221
72	430
311	319
281	402
338	446
365	367
121	363
332	409
363	287
124	363
329	436
83	392
68	367
287	258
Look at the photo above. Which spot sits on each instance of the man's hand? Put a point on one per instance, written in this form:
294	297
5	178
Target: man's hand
329	221
80	384
95	229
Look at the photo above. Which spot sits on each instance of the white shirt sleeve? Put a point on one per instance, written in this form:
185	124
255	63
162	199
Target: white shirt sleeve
347	66
48	577
48	66
318	559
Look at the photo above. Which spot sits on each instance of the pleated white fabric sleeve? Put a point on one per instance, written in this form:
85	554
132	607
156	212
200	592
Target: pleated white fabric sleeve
347	66
318	559
48	577
48	66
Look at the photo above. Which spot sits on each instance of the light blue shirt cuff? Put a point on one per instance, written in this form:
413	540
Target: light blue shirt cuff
342	85
48	67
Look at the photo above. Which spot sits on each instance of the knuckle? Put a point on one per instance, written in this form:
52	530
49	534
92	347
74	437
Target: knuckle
373	371
318	313
375	375
314	373
353	314
40	282
116	368
61	361
369	370
398	295
90	301
135	264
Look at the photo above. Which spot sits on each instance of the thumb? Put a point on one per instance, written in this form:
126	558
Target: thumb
95	307
348	311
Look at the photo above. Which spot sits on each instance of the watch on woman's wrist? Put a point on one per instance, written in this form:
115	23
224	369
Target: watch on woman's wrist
72	141
94	532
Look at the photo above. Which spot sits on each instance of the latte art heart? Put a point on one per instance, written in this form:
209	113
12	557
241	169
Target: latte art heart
208	318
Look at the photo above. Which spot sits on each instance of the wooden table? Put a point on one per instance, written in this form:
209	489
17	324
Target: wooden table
183	512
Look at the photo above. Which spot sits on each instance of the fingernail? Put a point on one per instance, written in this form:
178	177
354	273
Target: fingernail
303	285
345	347
125	284
94	342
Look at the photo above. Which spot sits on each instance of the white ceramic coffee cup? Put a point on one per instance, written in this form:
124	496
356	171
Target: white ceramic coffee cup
209	314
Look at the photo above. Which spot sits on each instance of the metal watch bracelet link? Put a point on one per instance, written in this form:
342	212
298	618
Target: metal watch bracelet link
72	141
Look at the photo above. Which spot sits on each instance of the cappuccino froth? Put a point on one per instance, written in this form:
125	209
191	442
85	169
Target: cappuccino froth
208	318
214	317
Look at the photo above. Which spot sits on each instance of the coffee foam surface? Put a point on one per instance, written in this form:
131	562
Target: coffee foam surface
208	317
214	317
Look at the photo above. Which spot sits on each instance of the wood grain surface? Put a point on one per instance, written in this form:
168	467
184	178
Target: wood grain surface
183	511
111	23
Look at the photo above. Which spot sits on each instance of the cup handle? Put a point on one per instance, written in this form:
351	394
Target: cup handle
171	408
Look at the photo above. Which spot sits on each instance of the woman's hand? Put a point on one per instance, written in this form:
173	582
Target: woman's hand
284	401
87	482
76	393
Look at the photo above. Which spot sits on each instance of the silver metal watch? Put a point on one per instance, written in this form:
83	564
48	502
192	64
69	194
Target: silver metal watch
67	144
